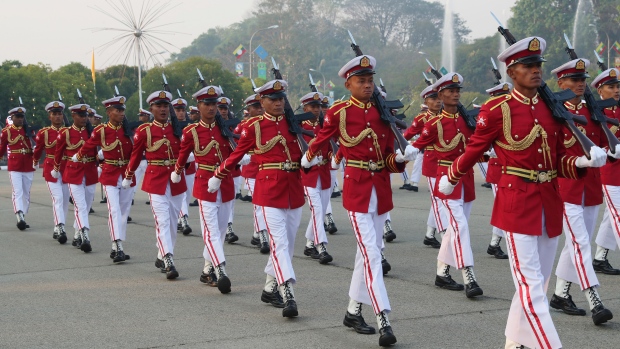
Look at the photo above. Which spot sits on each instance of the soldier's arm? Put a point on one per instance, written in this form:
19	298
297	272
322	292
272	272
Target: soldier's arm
415	129
61	144
566	164
428	135
246	143
92	143
139	146
39	146
3	142
329	130
187	146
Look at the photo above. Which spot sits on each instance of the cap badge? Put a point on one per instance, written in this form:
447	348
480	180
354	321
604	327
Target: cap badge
316	97
534	45
325	100
179	101
364	62
122	100
211	91
455	78
505	88
56	105
277	85
613	74
20	110
162	94
581	65
83	107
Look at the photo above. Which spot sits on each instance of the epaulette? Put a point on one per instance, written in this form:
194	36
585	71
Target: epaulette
496	101
44	128
143	126
337	107
253	120
99	127
435	119
189	127
421	115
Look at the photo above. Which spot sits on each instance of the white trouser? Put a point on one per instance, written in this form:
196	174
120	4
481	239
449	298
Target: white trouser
367	284
416	170
187	196
575	263
455	247
437	215
484	168
496	231
334	174
83	196
259	219
59	192
20	194
214	219
282	224
318	199
237	182
531	261
140	171
165	210
608	235
119	205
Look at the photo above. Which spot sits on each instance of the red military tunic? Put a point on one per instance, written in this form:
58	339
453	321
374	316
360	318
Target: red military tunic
363	137
525	137
68	143
268	136
46	141
210	149
116	148
610	172
16	144
162	149
251	169
586	189
448	134
429	163
322	170
190	167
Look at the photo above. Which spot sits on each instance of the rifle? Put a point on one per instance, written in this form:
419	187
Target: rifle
124	123
89	126
25	125
468	116
65	119
176	126
332	143
498	75
294	120
593	106
555	101
223	125
602	66
384	110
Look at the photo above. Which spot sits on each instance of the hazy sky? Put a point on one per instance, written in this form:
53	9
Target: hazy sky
35	31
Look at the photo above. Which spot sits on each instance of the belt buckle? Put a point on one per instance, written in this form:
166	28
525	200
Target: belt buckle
373	166
166	162
287	166
84	160
544	177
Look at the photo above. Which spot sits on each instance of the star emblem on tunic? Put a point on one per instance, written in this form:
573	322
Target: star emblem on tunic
135	137
327	119
425	132
415	124
244	133
482	122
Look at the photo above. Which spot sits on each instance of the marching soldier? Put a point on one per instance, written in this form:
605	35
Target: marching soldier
81	176
17	145
194	114
116	149
278	189
416	170
162	147
528	207
93	117
223	106
582	198
608	237
448	134
180	109
210	149
317	184
46	140
144	116
368	146
330	225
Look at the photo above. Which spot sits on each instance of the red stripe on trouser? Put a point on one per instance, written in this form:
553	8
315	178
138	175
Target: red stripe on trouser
207	238
247	184
612	210
13	192
53	203
367	269
76	209
312	216
578	258
458	249
157	231
274	258
434	207
523	285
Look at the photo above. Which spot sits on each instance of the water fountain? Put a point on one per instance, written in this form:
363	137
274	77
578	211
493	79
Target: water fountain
447	39
585	35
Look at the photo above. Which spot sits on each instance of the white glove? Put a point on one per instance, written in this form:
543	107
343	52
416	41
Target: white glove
214	184
74	158
335	165
35	165
598	158
191	157
55	174
411	153
98	171
307	164
244	160
174	177
126	183
445	187
491	153
100	154
616	155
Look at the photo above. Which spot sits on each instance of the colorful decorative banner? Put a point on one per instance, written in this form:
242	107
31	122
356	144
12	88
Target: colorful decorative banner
262	70
239	51
239	69
261	52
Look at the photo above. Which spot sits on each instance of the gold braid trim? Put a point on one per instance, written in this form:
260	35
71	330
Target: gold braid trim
153	147
72	146
570	142
46	139
14	140
614	129
262	149
453	143
207	149
349	141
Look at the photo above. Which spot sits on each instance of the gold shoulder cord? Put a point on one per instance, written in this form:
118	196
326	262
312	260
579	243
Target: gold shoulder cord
349	142
262	149
525	142
111	146
444	148
153	147
14	140
46	139
207	149
72	146
614	129
570	142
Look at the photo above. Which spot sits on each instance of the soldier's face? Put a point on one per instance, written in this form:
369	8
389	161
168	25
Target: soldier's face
315	109
143	118
18	120
116	116
180	112
56	118
273	106
609	91
223	112
361	86
450	96
433	103
194	116
207	111
255	110
577	85
79	119
160	112
527	76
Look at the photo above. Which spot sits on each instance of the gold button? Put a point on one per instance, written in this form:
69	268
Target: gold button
536	120
516	136
539	150
368	124
539	165
370	149
509	185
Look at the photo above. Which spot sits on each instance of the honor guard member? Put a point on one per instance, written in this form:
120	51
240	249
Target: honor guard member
116	149
162	147
249	172
608	237
449	134
317	184
210	148
367	144
278	189
581	198
330	225
144	116
16	144
529	144
93	117
46	141
81	176
180	109
223	106
416	169
436	221
194	114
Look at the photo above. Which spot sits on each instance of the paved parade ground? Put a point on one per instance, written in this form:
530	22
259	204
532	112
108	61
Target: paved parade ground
55	296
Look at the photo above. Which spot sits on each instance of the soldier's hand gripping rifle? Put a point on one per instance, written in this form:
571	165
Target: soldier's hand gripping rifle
332	143
602	66
223	125
555	101
594	107
124	123
384	110
177	128
25	126
89	127
294	120
65	119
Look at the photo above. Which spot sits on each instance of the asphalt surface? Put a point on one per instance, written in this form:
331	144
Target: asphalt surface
55	296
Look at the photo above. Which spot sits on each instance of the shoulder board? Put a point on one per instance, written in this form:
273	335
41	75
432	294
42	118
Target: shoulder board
435	119
143	126
496	101
337	107
420	116
43	129
189	127
253	120
99	127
